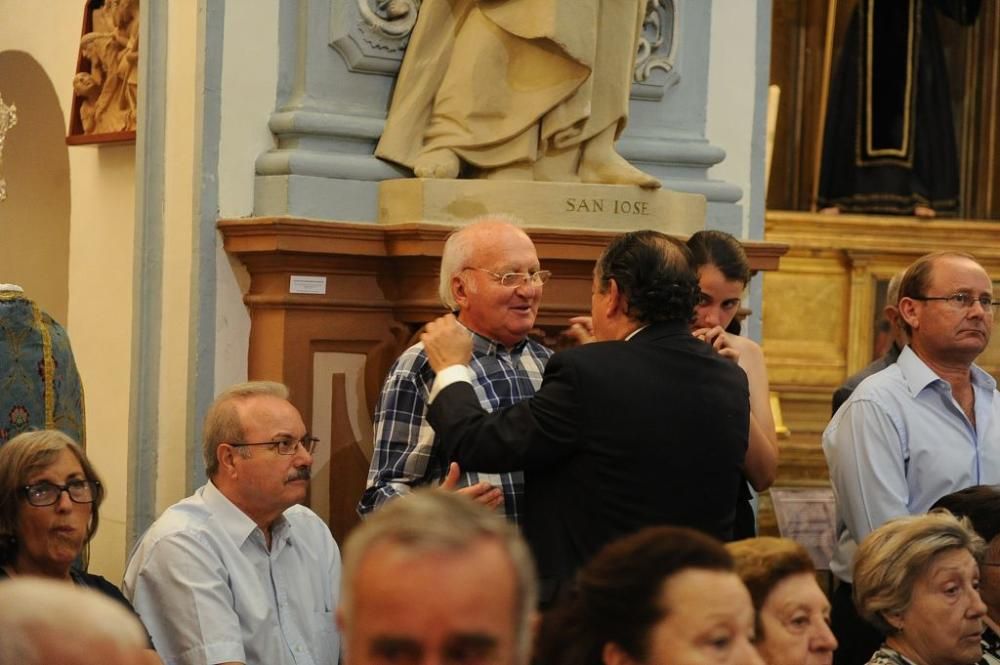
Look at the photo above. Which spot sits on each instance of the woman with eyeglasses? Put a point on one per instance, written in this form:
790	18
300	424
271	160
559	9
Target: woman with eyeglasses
49	500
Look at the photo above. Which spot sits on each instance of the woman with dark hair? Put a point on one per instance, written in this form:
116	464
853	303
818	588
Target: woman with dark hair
723	274
662	596
793	614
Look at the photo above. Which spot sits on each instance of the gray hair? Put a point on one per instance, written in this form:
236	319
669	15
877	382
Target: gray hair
35	610
893	557
892	290
222	421
433	521
458	249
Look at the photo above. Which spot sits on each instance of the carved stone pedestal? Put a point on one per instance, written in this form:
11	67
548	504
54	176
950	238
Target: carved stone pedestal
551	204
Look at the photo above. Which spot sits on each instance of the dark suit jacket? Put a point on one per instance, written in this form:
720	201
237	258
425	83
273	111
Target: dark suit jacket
853	381
621	435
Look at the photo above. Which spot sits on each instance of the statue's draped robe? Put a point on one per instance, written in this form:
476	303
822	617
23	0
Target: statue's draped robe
889	142
40	387
502	81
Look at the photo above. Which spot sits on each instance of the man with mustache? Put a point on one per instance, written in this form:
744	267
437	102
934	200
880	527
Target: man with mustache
239	572
919	429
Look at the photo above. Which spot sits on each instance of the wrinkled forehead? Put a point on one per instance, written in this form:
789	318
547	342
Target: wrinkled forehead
503	247
269	414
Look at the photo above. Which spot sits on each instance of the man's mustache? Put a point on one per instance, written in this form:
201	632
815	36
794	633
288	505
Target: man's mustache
302	473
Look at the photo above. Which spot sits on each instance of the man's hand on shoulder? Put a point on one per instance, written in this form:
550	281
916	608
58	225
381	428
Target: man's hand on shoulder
481	493
447	343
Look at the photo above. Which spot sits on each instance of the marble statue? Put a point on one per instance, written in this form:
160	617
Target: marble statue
517	89
108	90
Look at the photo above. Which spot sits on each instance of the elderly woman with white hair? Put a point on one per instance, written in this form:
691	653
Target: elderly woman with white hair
916	579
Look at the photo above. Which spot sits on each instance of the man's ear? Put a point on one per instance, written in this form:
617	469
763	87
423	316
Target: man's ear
908	311
226	455
459	291
615	302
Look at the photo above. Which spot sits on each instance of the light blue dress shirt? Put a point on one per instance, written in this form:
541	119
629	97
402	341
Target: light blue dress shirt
900	443
209	591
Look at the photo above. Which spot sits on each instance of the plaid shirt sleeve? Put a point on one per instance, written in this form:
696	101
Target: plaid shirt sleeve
403	439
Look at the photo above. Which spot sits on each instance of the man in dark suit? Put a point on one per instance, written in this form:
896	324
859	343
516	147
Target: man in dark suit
647	426
896	334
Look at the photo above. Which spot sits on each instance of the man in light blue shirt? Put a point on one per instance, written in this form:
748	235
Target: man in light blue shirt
924	427
239	572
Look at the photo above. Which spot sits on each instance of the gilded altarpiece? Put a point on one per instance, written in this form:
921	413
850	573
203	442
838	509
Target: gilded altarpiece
819	311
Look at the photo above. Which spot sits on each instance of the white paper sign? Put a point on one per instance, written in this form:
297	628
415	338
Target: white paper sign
308	284
807	516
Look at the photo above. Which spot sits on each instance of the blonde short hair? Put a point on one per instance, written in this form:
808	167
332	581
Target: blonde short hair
36	609
222	421
893	557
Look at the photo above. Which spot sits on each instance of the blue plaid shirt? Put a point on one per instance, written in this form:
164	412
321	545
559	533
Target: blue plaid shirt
405	453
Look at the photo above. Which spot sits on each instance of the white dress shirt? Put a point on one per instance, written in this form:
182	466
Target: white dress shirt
209	591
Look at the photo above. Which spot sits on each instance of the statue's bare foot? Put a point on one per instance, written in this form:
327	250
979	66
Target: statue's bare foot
442	163
924	211
830	210
600	163
613	169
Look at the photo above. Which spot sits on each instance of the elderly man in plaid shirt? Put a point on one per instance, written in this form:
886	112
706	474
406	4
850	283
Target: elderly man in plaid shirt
490	275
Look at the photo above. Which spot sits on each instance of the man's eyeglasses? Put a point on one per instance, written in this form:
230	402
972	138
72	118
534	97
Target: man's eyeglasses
46	493
963	300
516	279
285	446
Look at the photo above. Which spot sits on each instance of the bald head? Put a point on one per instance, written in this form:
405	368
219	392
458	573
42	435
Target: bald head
473	265
461	246
49	621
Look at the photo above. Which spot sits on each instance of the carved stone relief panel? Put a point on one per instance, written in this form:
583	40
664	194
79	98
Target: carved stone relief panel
372	34
655	62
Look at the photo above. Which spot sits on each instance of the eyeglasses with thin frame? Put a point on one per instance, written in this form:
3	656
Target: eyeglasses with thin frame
285	446
516	279
47	494
960	301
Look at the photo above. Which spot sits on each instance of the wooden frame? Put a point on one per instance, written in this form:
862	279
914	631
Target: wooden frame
76	135
806	33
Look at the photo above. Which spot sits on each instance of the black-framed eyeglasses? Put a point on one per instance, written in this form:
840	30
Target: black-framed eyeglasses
961	301
46	493
516	279
285	446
